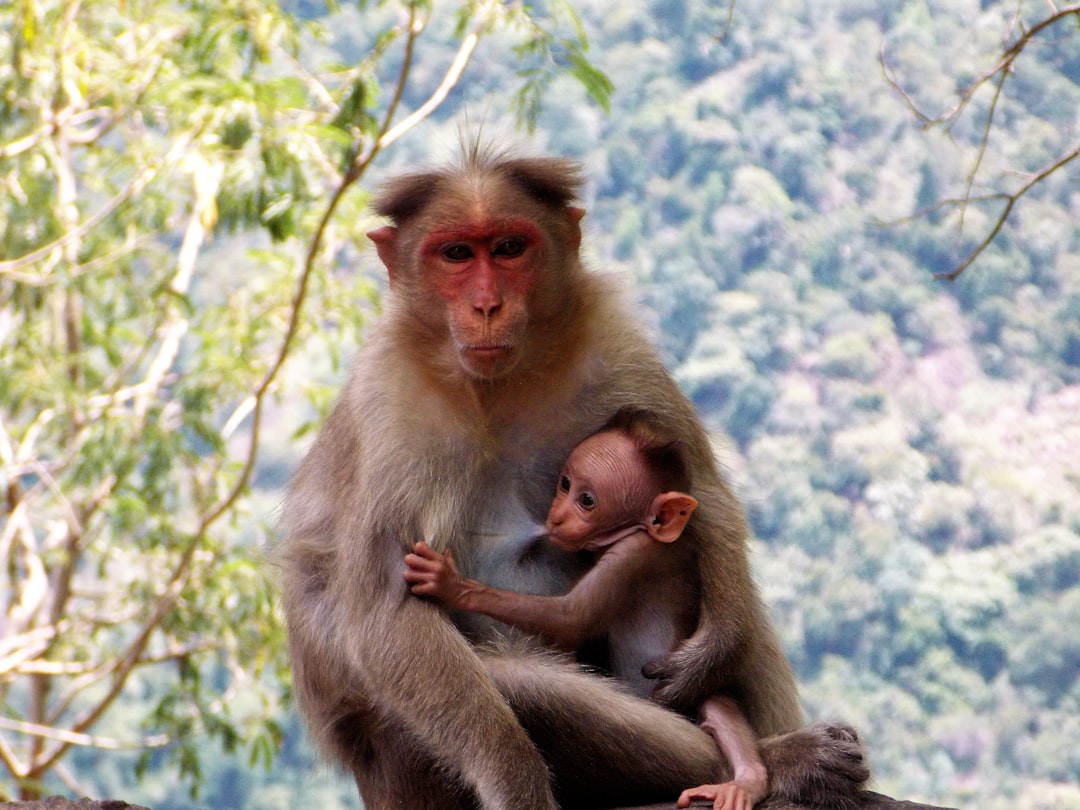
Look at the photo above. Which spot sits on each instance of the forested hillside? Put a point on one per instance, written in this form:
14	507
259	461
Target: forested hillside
908	448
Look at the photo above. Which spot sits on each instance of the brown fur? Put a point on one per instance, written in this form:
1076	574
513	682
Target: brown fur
415	449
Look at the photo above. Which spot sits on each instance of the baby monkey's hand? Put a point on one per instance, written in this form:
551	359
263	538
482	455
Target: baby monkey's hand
430	573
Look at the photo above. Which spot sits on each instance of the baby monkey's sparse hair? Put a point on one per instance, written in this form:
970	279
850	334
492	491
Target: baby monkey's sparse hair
664	456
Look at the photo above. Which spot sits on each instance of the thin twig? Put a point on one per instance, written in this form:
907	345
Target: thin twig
134	186
723	35
15	766
1010	202
1001	70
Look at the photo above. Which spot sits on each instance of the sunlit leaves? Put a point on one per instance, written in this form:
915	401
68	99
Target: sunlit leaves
546	51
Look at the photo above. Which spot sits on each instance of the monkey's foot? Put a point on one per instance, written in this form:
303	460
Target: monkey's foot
821	765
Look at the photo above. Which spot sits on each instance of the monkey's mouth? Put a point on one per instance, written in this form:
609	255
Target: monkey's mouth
487	360
487	351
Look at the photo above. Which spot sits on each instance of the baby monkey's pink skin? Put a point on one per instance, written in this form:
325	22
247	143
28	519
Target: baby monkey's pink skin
723	719
607	502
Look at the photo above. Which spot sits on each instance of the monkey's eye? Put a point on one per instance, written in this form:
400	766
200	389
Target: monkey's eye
564	483
457	253
509	248
587	500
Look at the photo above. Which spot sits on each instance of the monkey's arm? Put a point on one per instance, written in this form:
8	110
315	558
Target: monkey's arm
587	611
734	646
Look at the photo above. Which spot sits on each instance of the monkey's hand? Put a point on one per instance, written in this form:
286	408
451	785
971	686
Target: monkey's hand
728	796
430	573
678	680
664	671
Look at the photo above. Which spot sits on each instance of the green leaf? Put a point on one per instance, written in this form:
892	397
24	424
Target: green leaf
594	80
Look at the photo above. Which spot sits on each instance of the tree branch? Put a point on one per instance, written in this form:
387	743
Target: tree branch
997	76
73	738
134	186
414	27
450	80
1010	202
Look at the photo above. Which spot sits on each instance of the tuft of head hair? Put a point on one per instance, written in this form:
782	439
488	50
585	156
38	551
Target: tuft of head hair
663	454
551	181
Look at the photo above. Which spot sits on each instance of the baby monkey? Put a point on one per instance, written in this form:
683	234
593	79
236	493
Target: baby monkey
622	495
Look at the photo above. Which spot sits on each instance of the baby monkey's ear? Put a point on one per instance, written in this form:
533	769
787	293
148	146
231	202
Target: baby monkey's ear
668	515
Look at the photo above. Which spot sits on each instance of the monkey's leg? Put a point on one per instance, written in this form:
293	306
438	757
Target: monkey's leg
604	747
394	771
409	698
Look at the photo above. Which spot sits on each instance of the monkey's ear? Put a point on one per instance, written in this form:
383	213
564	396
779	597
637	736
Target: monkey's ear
575	215
668	515
385	239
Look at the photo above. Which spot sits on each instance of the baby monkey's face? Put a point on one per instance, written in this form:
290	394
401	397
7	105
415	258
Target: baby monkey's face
602	487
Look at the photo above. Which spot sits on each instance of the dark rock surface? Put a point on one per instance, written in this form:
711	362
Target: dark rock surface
868	801
60	803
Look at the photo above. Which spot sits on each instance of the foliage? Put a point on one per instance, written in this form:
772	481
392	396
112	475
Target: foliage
905	447
142	347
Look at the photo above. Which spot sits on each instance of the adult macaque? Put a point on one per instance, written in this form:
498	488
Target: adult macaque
623	495
495	355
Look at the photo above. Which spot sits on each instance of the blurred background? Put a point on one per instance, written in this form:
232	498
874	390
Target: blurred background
184	277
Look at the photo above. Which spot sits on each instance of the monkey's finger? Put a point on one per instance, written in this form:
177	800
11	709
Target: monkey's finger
418	575
654	670
707	792
418	563
428	553
424	586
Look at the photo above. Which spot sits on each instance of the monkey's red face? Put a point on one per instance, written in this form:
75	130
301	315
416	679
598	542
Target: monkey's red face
603	487
485	272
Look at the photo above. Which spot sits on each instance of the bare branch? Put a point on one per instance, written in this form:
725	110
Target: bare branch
136	185
19	648
450	80
88	740
23	144
206	179
92	674
995	76
122	665
728	18
11	760
314	86
894	83
1010	202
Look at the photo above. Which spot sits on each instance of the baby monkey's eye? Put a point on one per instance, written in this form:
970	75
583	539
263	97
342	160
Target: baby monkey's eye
587	500
564	483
